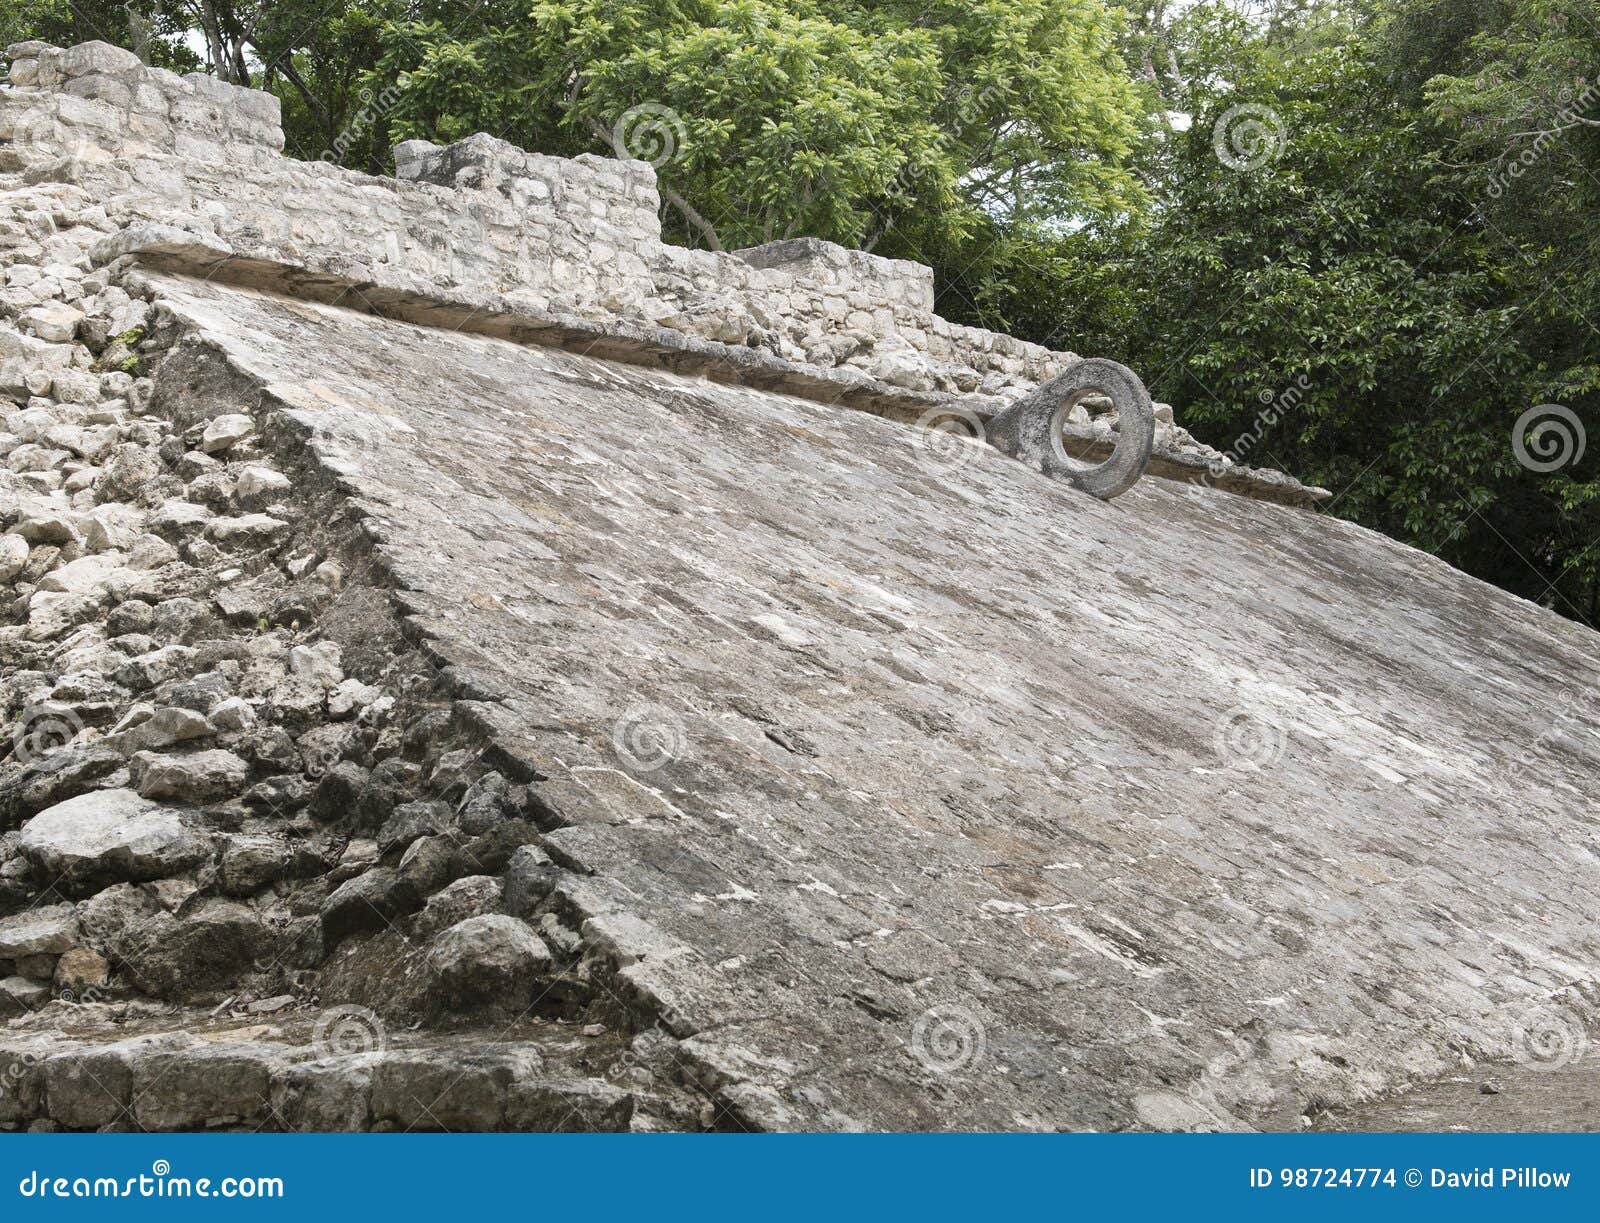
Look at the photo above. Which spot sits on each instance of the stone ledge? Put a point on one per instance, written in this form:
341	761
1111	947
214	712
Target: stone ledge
291	1077
350	284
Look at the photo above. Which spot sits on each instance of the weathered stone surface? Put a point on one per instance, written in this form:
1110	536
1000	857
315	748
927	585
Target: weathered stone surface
1025	869
48	930
492	958
367	902
174	956
13	556
110	836
421	1091
80	972
193	1089
898	787
19	995
190	777
88	1088
225	432
250	863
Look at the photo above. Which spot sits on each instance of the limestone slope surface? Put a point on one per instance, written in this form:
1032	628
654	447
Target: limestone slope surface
912	789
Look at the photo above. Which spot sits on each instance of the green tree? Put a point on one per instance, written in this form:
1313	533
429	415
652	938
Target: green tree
771	119
1333	250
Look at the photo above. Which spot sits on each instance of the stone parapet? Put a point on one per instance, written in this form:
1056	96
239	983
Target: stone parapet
99	100
484	221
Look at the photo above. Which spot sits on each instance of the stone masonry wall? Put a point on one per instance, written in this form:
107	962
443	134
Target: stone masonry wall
580	236
98	96
243	827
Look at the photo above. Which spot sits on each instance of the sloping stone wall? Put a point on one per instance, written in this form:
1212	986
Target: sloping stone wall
569	235
614	733
914	795
225	776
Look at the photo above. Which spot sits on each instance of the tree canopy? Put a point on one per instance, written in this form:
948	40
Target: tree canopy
1351	238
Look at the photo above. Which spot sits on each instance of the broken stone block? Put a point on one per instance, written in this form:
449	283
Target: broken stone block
81	971
55	322
90	1087
19	995
207	947
202	1088
317	664
250	863
258	486
13	556
111	836
368	902
51	930
225	432
492	958
190	777
472	896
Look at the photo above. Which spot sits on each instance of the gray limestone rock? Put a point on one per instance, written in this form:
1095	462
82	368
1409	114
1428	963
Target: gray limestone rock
490	959
110	836
189	777
51	929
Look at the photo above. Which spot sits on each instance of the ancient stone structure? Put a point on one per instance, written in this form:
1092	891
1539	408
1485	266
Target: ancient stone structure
468	664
